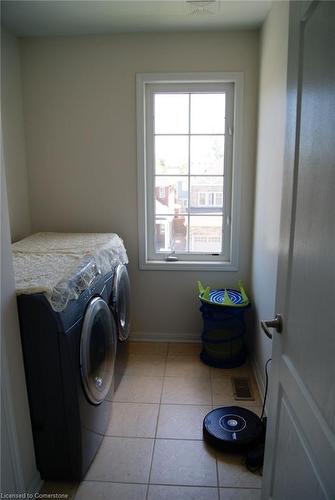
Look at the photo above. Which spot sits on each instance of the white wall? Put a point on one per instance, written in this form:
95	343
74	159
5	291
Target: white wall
18	468
269	171
13	137
79	103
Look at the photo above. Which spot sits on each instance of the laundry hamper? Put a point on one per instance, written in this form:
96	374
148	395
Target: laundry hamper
223	326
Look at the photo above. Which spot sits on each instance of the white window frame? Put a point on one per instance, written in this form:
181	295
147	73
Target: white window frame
228	261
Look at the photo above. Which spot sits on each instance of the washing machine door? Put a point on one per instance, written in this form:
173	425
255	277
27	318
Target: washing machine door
121	301
97	350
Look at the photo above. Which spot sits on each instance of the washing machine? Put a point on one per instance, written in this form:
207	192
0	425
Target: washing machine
118	289
69	360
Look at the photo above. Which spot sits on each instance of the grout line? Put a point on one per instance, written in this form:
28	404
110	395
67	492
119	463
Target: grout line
147	491
246	488
171	484
166	360
216	462
188	377
182	376
209	405
134	403
129	437
138	402
159	411
163	404
231	402
143	376
216	456
227	402
155	438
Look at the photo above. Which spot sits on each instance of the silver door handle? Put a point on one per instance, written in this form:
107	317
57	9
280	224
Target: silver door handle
276	323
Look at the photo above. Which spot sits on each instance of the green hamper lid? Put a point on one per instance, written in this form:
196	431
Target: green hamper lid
227	297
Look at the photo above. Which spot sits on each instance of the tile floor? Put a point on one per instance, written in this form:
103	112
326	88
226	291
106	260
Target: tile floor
154	449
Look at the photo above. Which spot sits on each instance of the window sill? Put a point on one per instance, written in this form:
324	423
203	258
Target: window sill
162	265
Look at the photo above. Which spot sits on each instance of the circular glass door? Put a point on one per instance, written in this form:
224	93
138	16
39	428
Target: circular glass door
97	350
121	298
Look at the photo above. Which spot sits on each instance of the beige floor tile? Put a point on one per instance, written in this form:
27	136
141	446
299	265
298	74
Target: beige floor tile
255	409
178	390
133	420
59	487
146	365
185	348
139	390
240	494
239	371
98	490
157	348
223	393
181	421
182	463
122	460
233	473
157	492
186	366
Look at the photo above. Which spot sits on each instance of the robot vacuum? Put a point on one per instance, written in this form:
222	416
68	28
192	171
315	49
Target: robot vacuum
233	428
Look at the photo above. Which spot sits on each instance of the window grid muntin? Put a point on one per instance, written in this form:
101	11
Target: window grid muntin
187	211
189	171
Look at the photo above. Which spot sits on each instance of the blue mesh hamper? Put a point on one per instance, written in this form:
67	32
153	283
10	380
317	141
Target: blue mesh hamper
223	326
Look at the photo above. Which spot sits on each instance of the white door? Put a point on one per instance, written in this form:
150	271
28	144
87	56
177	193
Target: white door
300	444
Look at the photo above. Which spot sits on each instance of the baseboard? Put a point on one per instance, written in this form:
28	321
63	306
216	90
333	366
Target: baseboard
164	337
35	484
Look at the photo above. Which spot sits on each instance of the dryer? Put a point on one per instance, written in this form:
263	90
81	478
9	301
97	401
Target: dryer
69	359
118	287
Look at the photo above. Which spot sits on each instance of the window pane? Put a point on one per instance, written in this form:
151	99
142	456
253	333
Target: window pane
206	195
171	154
208	113
171	195
207	155
171	113
171	233
205	234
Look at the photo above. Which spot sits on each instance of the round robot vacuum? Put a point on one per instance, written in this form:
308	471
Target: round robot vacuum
232	428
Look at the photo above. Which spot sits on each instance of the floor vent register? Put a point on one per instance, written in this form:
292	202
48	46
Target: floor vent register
242	389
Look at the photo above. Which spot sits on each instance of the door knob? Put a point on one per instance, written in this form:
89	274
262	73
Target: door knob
276	323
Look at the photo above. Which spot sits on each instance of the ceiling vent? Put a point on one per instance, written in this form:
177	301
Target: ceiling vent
202	7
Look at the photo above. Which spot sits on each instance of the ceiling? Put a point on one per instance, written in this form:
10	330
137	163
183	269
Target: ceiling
79	17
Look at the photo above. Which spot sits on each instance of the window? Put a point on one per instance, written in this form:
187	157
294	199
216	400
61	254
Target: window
188	165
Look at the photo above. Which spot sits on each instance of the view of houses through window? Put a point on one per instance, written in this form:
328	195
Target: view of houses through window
189	138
